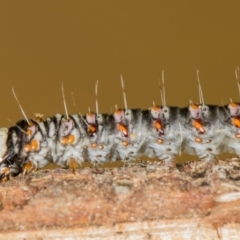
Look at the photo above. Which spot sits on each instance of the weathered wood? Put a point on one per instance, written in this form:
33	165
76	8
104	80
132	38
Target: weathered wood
142	201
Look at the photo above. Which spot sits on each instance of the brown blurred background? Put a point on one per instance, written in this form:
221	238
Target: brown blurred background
45	43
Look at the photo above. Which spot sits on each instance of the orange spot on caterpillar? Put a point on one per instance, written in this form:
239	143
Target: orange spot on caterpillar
68	140
93	145
156	108
233	104
158	125
32	146
236	122
122	129
118	111
90	114
92	129
199	126
194	106
27	148
160	141
29	132
198	140
64	141
124	143
71	139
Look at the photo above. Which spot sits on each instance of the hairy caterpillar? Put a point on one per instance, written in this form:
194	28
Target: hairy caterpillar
126	134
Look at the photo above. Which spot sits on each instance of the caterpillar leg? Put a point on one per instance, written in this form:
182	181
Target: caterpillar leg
9	170
208	158
29	167
95	163
168	160
125	162
4	173
73	164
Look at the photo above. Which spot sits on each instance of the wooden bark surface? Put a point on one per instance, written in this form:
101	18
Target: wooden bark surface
142	201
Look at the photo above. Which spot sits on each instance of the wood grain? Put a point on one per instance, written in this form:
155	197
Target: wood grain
141	201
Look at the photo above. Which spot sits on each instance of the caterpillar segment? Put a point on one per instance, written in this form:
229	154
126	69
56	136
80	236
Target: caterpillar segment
230	118
129	133
13	156
28	139
67	141
164	136
204	132
164	133
100	138
27	146
100	135
67	136
231	122
37	145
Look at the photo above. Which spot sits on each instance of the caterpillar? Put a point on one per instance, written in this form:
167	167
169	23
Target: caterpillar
160	131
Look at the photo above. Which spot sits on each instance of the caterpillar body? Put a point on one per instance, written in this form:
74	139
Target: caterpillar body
126	134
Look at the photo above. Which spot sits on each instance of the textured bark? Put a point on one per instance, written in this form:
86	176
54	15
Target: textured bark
142	201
